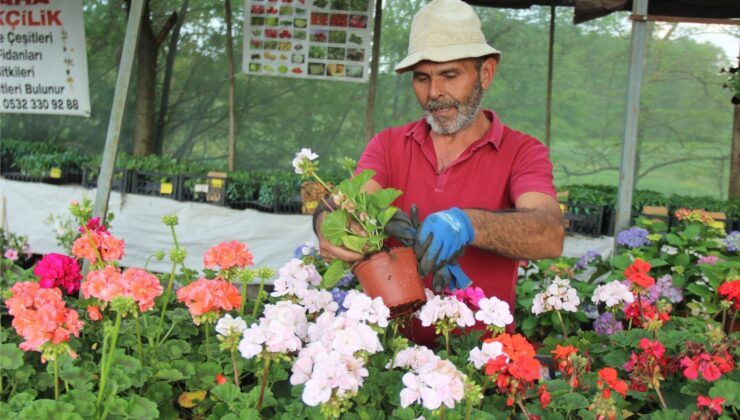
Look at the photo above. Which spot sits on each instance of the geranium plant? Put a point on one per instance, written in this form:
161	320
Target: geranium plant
359	218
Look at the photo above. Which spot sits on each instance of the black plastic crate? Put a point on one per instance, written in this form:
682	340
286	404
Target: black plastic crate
202	189
154	183
585	219
120	182
61	177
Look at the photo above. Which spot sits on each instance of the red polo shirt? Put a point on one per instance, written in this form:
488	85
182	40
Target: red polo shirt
490	174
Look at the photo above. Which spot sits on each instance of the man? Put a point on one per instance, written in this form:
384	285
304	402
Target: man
484	192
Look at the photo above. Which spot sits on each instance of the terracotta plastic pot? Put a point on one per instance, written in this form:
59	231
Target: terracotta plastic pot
393	276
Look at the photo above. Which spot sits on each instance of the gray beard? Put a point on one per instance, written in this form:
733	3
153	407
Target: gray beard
464	117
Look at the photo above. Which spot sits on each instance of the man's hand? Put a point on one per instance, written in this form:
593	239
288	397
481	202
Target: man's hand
441	238
450	276
329	251
403	227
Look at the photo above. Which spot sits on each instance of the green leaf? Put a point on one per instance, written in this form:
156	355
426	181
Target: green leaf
333	273
79	377
729	390
227	392
49	409
354	243
334	226
383	198
571	402
169	375
407	413
620	262
351	187
658	262
699	290
83	402
386	215
692	231
669	414
616	358
11	357
674	240
177	348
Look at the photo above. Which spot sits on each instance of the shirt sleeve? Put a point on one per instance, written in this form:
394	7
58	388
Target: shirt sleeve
374	158
532	171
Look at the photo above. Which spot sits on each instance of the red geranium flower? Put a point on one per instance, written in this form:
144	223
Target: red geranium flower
637	273
544	396
609	375
731	291
714	404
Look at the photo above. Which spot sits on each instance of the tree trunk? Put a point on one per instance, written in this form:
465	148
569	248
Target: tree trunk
734	191
146	76
230	58
168	69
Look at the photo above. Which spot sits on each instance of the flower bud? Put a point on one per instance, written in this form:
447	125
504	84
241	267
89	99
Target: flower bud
170	219
177	255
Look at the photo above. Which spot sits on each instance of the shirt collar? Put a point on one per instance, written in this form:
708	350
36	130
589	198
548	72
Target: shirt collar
419	131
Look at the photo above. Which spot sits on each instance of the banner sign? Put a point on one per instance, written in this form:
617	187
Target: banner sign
43	60
314	39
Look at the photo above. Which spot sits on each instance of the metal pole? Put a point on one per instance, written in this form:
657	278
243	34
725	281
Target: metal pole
116	115
550	59
632	110
370	115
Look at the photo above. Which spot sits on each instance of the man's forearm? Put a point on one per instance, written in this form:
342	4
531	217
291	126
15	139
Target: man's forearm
518	234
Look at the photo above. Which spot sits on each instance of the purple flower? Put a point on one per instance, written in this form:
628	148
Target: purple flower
306	250
338	295
606	324
663	288
708	259
587	259
633	237
346	281
732	241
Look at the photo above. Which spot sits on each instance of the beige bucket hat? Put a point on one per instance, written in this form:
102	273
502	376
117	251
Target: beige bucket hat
445	30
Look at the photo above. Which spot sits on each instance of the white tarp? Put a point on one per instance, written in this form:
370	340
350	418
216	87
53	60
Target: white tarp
271	238
43	59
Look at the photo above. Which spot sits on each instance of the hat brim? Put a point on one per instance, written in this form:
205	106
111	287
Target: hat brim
447	53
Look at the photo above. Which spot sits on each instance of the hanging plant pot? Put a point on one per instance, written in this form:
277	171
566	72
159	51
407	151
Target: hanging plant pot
393	276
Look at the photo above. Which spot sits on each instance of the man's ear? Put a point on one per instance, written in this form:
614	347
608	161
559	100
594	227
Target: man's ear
488	71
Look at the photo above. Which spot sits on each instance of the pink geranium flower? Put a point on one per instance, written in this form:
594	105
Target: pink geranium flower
109	283
204	296
57	270
11	254
471	295
227	255
41	318
91	244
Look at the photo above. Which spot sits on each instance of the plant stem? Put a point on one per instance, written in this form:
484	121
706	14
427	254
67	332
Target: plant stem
562	324
138	337
639	307
109	357
263	382
442	412
732	322
447	341
258	299
236	371
524	410
56	378
656	386
468	409
244	297
724	320
208	343
169	283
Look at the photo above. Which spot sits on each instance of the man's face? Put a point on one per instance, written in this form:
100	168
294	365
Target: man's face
450	93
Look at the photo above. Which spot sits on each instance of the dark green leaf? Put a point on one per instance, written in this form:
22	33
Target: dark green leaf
334	226
11	357
333	273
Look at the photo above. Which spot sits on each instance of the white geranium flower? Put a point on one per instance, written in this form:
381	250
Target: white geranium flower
302	158
494	311
491	350
228	326
361	307
612	294
449	307
669	250
559	295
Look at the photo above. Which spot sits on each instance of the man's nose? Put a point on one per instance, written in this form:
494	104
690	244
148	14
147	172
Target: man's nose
436	88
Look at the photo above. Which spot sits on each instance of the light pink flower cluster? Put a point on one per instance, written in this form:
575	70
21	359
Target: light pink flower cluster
109	283
40	317
446	308
329	365
280	330
295	277
432	381
362	308
316	300
494	311
490	350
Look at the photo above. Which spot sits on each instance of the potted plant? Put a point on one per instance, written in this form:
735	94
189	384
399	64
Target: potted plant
358	224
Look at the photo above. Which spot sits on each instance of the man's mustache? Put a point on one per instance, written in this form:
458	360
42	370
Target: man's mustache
440	104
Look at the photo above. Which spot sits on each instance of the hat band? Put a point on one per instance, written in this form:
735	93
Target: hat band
444	40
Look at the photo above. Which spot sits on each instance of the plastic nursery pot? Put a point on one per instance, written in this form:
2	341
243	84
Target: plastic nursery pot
393	276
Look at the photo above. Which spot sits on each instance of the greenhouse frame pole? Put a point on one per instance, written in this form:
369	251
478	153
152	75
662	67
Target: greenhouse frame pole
372	87
116	115
632	111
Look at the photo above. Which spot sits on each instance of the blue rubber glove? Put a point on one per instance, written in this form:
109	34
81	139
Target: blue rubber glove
441	238
450	276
